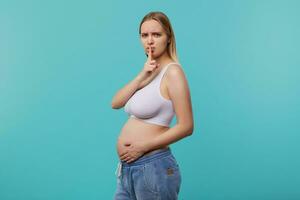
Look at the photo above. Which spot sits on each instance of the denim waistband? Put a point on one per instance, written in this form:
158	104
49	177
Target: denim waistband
156	154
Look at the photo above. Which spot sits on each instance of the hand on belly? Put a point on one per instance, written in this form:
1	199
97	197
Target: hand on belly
130	151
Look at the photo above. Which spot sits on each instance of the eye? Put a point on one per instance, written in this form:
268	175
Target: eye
156	34
143	35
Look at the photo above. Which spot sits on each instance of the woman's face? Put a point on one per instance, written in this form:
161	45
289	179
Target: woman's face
154	37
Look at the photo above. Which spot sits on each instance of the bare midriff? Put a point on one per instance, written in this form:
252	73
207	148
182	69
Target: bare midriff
138	130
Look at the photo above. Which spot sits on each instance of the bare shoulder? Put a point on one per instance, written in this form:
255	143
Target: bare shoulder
175	72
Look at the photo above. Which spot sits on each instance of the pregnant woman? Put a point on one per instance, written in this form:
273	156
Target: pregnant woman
147	169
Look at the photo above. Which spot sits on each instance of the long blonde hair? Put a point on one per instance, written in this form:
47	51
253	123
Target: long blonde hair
166	24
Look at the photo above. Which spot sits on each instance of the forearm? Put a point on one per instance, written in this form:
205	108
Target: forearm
126	92
170	136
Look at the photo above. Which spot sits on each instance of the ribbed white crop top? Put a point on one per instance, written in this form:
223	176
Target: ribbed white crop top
149	105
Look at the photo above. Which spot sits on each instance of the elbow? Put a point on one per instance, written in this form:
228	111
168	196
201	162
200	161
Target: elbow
190	130
114	106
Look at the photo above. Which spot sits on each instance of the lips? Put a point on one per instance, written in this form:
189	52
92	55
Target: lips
152	49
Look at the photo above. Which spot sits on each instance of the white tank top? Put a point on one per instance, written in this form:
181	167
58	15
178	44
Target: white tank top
149	105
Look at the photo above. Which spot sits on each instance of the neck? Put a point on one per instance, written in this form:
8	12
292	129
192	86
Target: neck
164	59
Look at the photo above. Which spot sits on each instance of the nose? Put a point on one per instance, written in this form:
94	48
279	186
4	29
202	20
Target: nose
150	40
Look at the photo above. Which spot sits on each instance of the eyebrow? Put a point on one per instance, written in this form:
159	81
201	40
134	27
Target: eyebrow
152	32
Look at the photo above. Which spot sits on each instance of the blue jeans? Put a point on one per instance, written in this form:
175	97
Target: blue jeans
155	176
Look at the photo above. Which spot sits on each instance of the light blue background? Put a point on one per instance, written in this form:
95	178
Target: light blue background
62	62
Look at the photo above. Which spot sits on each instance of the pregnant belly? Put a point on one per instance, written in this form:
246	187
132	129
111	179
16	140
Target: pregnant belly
138	130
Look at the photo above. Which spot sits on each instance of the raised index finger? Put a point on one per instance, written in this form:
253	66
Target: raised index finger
149	54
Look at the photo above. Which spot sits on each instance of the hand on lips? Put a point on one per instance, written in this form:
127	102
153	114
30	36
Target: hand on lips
151	64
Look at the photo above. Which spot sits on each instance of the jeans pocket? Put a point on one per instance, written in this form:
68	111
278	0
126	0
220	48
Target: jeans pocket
162	174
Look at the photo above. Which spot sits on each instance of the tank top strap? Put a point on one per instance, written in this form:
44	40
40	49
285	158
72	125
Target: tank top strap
163	71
